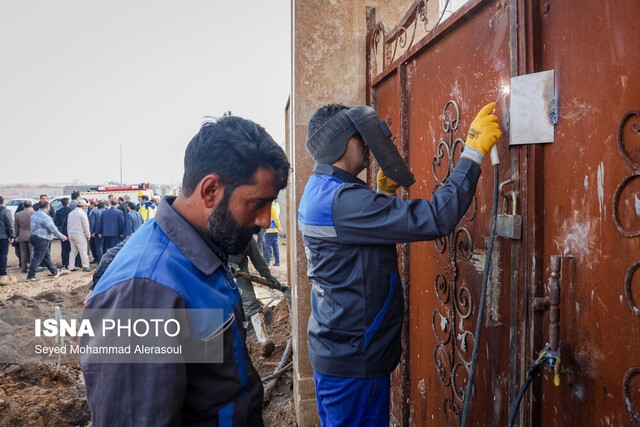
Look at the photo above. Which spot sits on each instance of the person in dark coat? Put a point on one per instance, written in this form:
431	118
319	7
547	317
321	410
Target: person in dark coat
22	224
16	243
95	219
75	195
111	226
7	234
37	206
92	242
122	207
61	222
133	220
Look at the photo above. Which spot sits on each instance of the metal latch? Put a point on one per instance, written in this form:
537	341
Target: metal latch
509	225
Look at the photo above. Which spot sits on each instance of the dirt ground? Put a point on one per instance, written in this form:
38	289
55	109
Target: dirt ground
36	394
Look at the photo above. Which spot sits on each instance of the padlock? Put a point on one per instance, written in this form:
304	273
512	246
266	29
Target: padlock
509	225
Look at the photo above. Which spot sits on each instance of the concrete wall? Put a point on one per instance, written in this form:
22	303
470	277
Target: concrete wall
328	66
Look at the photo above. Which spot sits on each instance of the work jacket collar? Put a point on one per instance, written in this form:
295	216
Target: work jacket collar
187	238
341	174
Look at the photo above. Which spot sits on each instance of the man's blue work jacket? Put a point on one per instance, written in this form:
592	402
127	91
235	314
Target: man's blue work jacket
167	263
350	235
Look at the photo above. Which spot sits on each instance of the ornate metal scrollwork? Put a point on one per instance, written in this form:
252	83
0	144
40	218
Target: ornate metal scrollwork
626	382
635	128
626	385
415	26
616	201
453	350
627	288
631	176
422	15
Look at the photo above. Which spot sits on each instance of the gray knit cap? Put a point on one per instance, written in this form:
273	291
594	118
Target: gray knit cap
329	142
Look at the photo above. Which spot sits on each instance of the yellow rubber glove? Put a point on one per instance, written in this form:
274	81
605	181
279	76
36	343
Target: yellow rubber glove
484	130
386	184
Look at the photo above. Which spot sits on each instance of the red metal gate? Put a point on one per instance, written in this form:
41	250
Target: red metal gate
579	197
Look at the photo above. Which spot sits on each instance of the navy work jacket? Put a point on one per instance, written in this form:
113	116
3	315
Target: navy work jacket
350	235
167	263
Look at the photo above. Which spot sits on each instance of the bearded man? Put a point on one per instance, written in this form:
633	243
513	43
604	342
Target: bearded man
233	170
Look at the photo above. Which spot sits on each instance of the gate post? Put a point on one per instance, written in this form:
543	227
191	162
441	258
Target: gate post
328	66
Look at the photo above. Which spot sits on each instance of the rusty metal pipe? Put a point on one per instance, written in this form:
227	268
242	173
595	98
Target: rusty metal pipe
554	303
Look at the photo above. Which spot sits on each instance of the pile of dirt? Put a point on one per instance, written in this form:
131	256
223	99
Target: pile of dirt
279	411
38	395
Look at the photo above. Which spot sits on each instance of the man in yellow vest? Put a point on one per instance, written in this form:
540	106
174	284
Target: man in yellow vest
271	236
147	208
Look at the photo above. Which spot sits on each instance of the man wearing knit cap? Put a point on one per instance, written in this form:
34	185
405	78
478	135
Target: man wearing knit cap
350	234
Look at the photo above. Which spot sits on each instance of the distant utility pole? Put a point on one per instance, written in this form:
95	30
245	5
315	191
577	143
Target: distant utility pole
120	164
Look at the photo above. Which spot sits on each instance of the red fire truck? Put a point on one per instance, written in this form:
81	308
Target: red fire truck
103	192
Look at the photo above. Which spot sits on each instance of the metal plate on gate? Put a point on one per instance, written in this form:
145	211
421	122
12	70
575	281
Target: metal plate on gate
533	108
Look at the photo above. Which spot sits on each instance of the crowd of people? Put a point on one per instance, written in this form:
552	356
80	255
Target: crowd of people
84	228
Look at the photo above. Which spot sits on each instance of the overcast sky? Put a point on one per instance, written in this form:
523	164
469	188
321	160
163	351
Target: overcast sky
80	77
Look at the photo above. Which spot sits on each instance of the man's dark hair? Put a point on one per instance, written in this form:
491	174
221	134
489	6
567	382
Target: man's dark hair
322	116
42	195
120	199
131	206
1	200
101	205
92	203
145	197
43	205
64	201
27	204
75	195
114	202
232	148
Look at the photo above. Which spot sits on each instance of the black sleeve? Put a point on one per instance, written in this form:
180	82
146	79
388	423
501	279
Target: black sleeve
105	261
9	223
121	223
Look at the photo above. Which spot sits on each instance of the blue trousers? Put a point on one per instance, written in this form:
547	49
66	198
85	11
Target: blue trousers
353	401
109	242
41	256
99	247
271	242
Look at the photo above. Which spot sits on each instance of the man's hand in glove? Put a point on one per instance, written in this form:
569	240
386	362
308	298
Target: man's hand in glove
279	286
386	184
276	283
484	130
